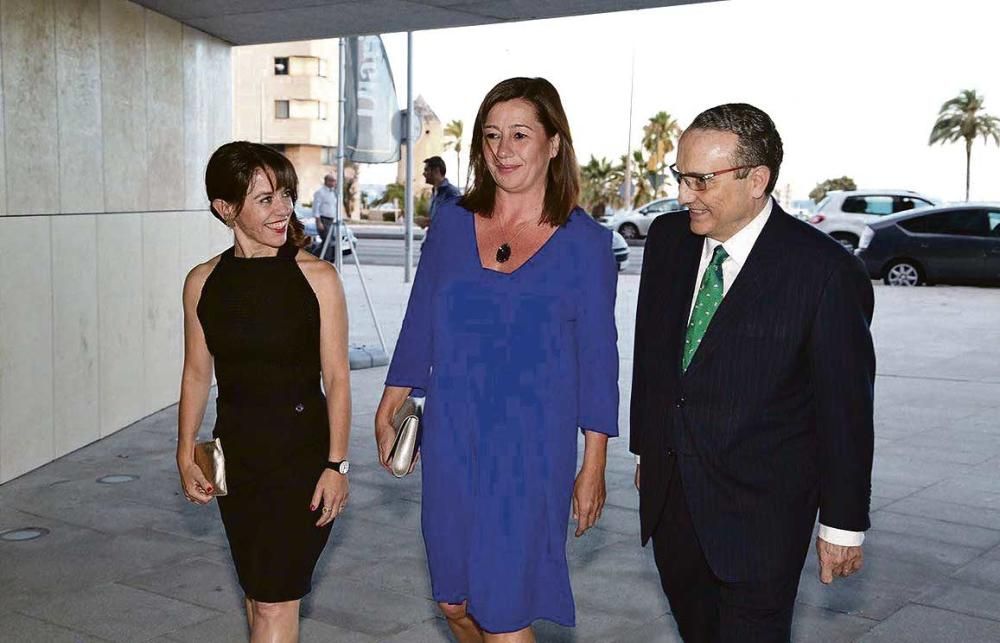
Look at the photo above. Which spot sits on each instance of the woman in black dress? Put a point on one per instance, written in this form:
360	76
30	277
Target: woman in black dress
272	321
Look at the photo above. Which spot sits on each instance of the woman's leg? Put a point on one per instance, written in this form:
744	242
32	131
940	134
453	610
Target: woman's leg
275	622
465	629
521	636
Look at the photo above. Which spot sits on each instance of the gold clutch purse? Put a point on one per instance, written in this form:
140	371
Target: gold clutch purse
212	462
407	423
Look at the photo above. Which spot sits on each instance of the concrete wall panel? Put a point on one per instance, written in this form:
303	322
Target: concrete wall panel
163	316
3	160
120	297
27	35
25	345
123	89
165	111
75	331
78	72
197	142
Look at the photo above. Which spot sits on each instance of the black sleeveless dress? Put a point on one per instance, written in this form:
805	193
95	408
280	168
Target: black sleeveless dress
261	323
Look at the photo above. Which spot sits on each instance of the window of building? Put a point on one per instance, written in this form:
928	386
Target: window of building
281	66
299	108
306	66
328	155
281	109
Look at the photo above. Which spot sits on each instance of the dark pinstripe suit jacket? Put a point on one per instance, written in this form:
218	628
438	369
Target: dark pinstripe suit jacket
773	418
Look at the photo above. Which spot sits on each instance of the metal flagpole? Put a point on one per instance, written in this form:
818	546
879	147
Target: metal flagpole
628	153
338	259
338	255
408	212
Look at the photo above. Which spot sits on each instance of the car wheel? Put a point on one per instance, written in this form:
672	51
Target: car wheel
846	239
903	273
629	231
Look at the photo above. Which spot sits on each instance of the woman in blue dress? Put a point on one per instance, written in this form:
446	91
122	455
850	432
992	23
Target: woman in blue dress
510	332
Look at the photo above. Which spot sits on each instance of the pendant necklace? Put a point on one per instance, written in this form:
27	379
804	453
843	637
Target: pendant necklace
504	251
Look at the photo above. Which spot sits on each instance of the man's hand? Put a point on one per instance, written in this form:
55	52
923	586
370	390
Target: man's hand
837	560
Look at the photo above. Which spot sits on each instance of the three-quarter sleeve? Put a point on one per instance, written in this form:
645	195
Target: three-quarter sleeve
597	340
411	359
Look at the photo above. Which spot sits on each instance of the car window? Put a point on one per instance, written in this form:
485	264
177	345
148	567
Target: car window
822	204
904	203
656	207
994	216
875	204
956	222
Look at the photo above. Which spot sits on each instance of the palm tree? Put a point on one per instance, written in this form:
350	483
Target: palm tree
658	138
962	117
454	131
644	187
599	185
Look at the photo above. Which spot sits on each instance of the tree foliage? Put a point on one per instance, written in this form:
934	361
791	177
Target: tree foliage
454	130
843	183
963	117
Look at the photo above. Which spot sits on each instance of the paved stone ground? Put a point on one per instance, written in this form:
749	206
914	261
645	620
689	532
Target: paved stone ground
135	562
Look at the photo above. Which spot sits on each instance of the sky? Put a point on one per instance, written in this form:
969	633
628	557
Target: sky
854	86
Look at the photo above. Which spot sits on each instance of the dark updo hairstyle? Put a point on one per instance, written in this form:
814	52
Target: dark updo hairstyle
562	187
230	172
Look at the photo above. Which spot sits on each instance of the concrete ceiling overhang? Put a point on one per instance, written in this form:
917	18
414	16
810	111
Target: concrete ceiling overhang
249	22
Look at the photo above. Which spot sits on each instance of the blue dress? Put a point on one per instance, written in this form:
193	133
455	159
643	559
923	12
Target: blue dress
512	366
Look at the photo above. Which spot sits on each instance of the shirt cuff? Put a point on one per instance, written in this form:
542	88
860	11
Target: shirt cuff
637	459
841	537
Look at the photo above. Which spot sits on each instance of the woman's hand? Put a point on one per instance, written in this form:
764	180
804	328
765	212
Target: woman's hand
330	496
393	398
195	485
589	495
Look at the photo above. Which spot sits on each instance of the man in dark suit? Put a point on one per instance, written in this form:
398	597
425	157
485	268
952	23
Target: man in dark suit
752	390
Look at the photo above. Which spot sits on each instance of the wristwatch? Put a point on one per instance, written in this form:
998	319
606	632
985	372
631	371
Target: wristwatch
341	467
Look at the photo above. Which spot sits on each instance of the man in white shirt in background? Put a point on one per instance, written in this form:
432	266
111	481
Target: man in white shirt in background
325	203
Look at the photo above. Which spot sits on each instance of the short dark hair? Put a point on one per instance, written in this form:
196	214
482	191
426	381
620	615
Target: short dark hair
562	188
438	162
759	142
230	172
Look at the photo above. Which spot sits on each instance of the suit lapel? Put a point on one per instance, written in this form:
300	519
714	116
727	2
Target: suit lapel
747	288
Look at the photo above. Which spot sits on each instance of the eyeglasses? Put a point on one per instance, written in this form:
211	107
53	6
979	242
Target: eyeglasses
699	182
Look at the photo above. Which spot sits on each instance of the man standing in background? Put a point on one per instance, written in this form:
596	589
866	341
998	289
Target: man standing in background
443	192
325	204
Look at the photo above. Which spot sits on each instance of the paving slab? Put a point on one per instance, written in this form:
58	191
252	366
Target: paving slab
18	628
119	613
919	624
140	551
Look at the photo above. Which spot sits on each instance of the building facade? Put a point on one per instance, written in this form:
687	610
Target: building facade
286	95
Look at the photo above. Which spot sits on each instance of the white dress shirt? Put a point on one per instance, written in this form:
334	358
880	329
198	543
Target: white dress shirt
325	202
738	248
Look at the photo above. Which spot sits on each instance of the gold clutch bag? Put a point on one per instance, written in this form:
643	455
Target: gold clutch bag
406	422
212	462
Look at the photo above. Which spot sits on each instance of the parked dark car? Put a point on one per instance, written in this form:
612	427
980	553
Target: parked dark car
957	244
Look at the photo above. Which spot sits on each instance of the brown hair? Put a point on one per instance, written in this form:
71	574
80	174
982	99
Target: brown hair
562	188
230	172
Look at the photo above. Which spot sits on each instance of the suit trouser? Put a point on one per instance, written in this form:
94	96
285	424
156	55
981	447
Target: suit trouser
706	608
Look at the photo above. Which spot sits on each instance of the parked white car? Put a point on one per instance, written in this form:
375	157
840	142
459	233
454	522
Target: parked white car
634	224
843	214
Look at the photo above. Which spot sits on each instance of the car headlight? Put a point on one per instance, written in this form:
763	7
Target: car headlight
866	238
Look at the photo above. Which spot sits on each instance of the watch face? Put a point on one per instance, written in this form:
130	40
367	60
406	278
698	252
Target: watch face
345	467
